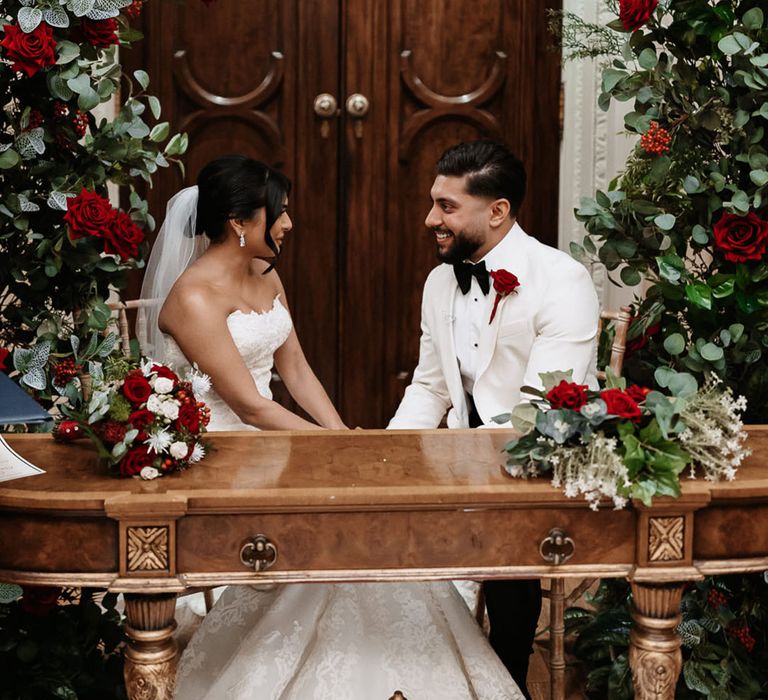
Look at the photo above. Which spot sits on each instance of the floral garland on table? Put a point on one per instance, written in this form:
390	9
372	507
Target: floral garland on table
626	442
144	419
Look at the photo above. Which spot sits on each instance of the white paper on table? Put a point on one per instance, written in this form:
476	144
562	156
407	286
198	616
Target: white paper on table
14	466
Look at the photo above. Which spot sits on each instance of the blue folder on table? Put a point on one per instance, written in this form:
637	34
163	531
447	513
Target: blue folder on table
16	406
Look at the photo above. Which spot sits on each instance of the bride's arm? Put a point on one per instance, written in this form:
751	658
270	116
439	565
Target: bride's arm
303	385
201	332
301	381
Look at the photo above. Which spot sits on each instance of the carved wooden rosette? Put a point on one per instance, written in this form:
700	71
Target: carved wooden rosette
150	657
654	652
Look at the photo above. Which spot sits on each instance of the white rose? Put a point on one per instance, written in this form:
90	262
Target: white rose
179	450
149	473
170	409
155	404
163	385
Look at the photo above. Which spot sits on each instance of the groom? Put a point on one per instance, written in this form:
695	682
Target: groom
484	336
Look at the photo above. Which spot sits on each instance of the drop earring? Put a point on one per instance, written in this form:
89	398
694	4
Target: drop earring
242	239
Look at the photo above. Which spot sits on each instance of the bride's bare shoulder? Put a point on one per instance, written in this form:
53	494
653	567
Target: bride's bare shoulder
193	296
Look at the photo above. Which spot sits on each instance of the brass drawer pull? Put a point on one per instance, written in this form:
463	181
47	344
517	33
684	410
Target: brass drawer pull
557	548
259	553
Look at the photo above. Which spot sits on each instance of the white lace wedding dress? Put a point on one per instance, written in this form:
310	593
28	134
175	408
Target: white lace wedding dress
357	641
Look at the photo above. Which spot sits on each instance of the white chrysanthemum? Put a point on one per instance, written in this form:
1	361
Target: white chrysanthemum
149	473
170	409
163	385
179	450
158	441
198	452
155	404
146	366
201	383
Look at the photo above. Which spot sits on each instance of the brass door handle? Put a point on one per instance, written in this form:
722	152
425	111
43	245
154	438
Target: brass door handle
258	553
358	106
325	105
326	108
557	548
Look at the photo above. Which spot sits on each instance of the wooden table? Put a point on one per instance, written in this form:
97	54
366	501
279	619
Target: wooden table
357	506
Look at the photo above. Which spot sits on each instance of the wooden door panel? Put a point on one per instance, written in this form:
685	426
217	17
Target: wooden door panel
453	70
240	77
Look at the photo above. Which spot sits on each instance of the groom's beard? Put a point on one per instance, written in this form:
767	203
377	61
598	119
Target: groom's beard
461	249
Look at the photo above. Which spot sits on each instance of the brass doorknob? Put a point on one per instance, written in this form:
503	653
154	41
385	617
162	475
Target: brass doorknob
258	553
326	105
357	105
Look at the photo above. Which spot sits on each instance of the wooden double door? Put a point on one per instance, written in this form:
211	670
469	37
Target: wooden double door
355	100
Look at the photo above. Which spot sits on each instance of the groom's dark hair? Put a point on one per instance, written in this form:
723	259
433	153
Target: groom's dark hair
491	168
236	187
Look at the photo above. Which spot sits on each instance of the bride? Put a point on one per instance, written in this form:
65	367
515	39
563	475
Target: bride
221	305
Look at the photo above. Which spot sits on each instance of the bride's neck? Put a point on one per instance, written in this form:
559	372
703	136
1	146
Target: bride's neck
229	258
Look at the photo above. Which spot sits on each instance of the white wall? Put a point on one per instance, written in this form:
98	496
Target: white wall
594	147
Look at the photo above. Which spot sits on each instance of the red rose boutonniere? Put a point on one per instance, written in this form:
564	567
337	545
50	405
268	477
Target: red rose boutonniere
504	283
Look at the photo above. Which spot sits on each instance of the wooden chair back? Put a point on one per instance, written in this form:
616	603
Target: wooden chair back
122	308
621	320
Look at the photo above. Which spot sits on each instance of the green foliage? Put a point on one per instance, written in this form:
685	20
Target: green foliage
72	651
724	629
54	284
699	70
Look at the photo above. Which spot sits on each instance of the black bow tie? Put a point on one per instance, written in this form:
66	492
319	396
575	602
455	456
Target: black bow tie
465	271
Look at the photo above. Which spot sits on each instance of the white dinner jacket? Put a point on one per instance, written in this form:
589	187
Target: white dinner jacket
548	324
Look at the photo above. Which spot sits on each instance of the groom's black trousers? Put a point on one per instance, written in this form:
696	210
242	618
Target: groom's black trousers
513	610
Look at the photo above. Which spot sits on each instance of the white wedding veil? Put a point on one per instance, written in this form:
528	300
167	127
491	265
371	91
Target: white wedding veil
176	248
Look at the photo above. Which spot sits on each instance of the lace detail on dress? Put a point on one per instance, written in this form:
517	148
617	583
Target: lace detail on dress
342	642
257	335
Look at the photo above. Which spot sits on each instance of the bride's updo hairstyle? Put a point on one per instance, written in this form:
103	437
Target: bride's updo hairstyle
236	187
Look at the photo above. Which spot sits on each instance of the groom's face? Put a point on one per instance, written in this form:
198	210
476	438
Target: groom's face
458	220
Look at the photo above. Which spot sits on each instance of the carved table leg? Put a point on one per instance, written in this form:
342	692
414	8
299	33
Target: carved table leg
654	652
150	657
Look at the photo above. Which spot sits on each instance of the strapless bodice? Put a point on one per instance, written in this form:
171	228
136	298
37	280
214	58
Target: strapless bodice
257	335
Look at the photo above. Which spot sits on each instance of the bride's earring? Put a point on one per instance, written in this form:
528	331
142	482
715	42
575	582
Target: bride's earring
242	239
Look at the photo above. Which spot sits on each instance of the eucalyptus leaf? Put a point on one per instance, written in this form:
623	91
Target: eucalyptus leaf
665	221
142	78
674	344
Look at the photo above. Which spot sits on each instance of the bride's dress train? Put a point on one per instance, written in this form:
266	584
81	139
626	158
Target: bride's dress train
357	641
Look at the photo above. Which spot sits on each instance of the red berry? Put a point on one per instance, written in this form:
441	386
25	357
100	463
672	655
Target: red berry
656	140
64	371
60	110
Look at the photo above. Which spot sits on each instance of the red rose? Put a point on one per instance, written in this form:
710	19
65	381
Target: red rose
123	237
638	393
4	352
136	459
504	282
167	372
141	419
189	418
568	395
89	214
100	33
635	13
620	404
136	387
39	600
642	340
29	52
741	238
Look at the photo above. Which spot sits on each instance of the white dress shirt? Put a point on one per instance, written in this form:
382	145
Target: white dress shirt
469	317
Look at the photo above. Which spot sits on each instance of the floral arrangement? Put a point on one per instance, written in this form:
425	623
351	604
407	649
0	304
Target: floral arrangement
626	442
724	630
688	216
144	419
66	246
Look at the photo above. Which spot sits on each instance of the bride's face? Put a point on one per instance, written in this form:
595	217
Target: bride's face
253	230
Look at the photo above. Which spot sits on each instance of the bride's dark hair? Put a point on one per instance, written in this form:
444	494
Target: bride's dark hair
236	187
